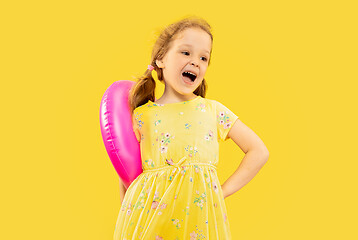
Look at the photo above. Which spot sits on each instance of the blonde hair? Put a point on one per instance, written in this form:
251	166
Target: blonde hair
144	89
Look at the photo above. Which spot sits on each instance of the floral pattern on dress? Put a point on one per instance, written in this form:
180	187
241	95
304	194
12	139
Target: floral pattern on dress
209	136
165	139
149	162
200	199
224	120
168	199
192	150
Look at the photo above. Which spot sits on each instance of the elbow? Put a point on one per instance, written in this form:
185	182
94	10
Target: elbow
265	154
261	153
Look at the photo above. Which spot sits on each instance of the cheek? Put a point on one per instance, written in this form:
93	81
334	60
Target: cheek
177	62
203	70
181	60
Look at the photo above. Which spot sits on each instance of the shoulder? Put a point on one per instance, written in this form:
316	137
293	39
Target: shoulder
138	112
216	102
208	103
141	108
207	100
213	103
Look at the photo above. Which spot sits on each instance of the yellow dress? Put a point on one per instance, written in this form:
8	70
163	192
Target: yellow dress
178	196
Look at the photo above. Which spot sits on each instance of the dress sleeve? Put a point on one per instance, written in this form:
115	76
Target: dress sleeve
225	119
135	127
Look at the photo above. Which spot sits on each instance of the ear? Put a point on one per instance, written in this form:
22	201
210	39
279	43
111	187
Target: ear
159	63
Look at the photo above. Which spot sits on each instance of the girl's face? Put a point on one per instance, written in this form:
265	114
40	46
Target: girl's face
189	52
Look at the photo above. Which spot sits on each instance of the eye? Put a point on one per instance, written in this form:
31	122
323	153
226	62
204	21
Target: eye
205	59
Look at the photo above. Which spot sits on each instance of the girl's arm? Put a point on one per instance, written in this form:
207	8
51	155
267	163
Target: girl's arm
256	155
122	190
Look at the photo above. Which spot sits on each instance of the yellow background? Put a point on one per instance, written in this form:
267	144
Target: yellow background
288	69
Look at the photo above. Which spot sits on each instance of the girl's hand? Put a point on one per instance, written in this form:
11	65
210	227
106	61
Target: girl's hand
223	190
122	194
122	190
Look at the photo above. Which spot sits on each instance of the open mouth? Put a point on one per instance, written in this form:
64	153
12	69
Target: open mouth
189	75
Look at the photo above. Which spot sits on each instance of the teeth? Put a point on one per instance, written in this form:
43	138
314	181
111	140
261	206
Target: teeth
191	73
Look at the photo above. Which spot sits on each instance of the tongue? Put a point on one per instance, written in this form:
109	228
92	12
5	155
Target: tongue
187	78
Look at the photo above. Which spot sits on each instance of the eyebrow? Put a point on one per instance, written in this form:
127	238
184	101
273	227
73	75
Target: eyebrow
191	46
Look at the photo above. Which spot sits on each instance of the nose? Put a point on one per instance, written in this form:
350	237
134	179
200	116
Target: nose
195	64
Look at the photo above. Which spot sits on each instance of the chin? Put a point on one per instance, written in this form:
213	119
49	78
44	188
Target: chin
198	83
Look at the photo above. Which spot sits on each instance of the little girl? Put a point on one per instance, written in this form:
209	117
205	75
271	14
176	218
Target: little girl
178	195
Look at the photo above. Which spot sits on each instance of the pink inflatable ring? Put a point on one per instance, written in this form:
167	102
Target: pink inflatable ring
117	132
